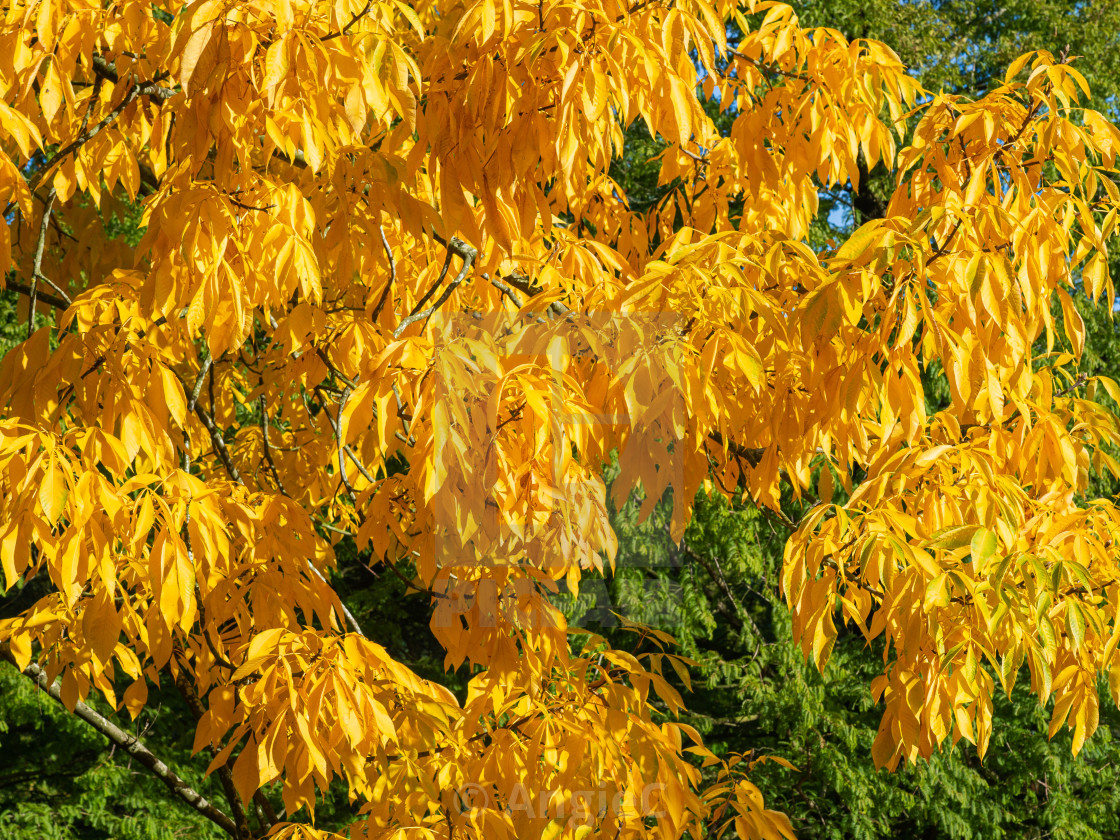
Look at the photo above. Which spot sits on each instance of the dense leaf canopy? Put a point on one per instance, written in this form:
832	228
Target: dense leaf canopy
388	294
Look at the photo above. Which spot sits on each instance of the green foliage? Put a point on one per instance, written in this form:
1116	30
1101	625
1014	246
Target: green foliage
958	45
752	689
60	781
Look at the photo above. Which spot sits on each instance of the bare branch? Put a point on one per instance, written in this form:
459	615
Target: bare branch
740	615
517	281
208	421
346	29
37	263
392	275
192	400
505	290
322	354
358	464
45	297
355	628
701	159
265	812
770	68
751	456
61	292
107	70
268	448
452	286
435	285
132	745
336	428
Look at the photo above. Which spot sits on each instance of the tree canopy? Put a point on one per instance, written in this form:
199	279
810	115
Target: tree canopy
388	294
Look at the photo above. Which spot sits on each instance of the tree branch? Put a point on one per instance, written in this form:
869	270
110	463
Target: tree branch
442	299
265	810
192	399
517	281
392	274
346	29
45	297
437	284
132	745
85	136
215	434
37	263
770	68
739	616
751	456
188	693
268	447
107	70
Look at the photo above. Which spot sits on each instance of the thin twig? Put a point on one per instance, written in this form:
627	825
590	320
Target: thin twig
215	433
944	245
61	292
770	68
346	29
361	467
427	313
392	274
515	280
439	281
740	615
37	263
1080	380
322	354
268	448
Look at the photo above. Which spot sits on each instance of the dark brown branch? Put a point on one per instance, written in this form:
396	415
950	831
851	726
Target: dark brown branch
355	628
392	275
215	433
336	429
265	811
346	29
439	281
751	456
135	749
44	297
322	354
739	613
1078	381
219	443
940	252
37	263
268	448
